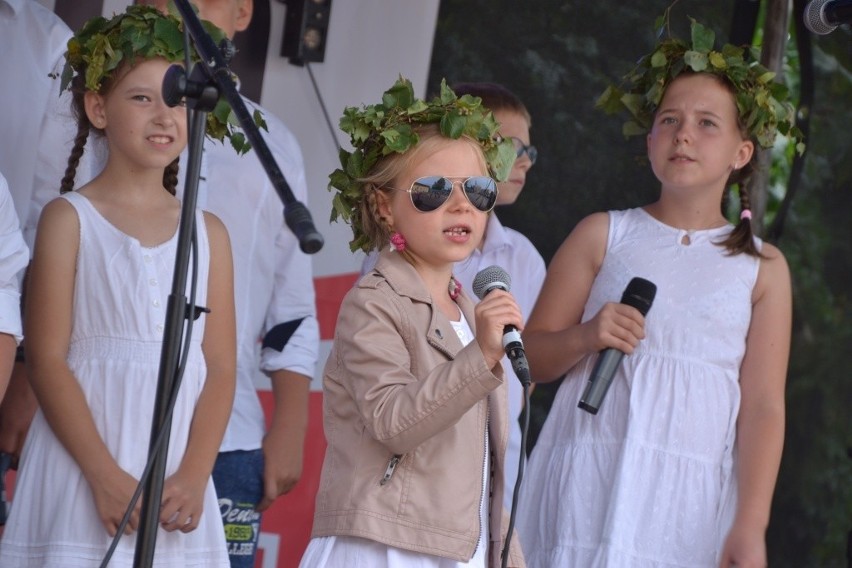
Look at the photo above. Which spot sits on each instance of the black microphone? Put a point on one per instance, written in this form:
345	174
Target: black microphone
492	278
823	16
639	294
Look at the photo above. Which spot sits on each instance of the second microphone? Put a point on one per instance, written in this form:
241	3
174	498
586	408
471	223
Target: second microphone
640	295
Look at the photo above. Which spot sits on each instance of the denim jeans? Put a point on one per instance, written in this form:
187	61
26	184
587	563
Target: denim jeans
238	478
5	462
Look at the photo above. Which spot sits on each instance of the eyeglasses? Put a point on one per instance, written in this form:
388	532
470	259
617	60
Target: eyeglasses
521	149
431	192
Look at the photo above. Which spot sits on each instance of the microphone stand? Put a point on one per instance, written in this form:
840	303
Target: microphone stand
177	310
296	215
208	79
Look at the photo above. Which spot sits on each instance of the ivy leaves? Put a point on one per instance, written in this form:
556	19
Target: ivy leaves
763	103
143	32
391	127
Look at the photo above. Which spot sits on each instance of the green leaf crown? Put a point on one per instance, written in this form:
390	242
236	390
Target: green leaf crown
143	32
763	104
378	130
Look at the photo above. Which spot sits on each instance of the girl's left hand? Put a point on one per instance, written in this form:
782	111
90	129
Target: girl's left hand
744	548
182	503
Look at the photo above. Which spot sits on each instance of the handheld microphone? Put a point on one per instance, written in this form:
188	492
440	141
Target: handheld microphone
492	278
639	294
823	16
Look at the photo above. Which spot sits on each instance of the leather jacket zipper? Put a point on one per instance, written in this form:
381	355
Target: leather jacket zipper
389	471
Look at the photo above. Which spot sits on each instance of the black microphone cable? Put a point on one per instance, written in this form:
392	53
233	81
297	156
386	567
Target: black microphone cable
525	427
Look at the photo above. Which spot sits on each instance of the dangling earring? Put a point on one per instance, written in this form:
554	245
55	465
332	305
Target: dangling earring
454	288
397	241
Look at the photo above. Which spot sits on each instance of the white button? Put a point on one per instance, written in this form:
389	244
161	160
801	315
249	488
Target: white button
160	327
147	258
152	281
156	303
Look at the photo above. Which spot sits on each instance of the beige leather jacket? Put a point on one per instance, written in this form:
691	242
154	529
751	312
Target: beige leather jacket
405	410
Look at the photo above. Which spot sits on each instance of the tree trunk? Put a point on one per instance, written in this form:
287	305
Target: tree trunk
775	33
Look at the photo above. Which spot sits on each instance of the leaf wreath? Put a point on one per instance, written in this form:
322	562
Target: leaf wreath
143	32
763	103
381	129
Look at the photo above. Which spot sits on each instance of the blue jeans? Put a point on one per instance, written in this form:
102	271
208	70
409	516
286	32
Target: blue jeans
238	478
5	462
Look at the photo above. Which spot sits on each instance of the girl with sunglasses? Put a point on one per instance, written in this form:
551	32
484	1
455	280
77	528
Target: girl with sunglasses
415	399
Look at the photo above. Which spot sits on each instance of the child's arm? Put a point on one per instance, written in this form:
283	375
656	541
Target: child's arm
760	424
50	288
554	338
183	491
283	444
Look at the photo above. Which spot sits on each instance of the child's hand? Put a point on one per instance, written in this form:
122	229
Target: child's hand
112	494
745	547
497	310
616	325
182	503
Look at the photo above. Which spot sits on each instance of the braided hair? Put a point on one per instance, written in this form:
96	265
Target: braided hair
741	239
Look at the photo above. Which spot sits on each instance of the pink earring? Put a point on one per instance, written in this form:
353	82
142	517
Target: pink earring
397	241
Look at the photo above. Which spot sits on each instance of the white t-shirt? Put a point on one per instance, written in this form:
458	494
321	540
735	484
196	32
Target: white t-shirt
14	256
273	278
38	126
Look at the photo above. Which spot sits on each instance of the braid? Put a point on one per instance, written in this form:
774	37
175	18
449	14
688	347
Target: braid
170	176
74	159
741	239
83	128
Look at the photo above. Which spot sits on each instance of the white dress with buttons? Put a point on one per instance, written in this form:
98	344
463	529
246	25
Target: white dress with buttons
120	295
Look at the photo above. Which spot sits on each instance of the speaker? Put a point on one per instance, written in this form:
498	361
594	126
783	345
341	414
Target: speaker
306	30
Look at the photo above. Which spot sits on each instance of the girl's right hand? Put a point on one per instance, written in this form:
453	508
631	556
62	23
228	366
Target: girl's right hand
497	310
112	493
616	325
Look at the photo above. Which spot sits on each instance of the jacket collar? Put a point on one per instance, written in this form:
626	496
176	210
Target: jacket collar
401	276
404	280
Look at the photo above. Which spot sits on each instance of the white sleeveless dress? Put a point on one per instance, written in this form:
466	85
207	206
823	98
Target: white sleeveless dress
648	481
120	294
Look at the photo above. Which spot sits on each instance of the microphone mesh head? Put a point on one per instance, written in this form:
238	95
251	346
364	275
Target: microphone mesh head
814	17
639	294
489	278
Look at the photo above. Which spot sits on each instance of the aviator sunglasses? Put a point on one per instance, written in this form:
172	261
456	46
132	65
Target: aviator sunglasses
431	192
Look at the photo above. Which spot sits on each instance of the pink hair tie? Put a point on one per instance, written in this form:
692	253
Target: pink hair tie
746	214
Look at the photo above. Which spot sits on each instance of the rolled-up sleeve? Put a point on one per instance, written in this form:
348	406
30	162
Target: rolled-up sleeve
291	330
14	256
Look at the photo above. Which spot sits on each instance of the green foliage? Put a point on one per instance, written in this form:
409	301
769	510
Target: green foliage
143	32
390	127
762	102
